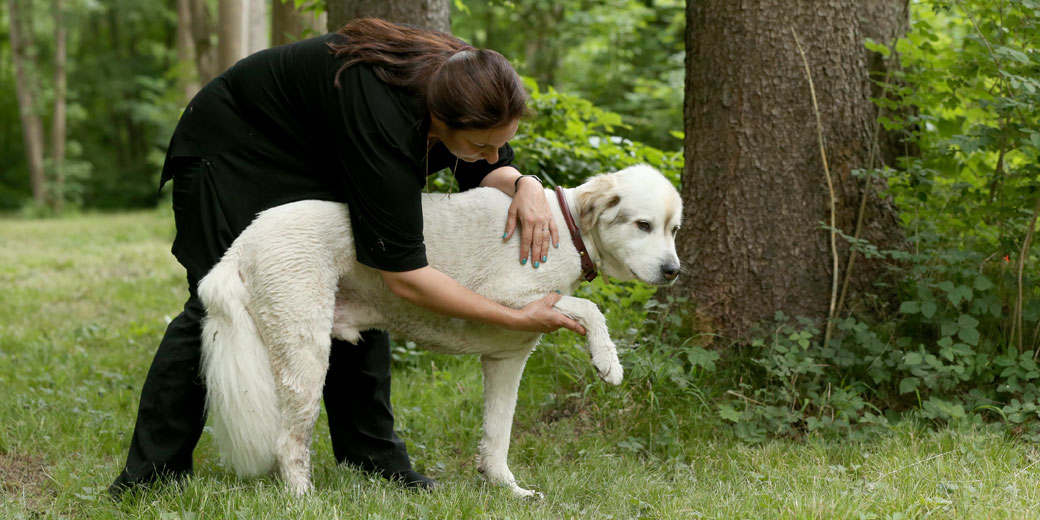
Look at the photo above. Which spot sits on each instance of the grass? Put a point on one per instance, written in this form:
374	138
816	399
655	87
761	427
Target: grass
85	301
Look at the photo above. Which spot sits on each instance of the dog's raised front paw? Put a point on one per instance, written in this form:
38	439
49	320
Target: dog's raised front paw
607	365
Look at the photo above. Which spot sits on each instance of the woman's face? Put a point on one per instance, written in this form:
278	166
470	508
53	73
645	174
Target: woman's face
472	145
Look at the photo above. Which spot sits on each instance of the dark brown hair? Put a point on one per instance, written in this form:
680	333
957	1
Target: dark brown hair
461	85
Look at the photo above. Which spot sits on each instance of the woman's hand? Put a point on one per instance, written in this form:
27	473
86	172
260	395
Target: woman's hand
530	210
539	316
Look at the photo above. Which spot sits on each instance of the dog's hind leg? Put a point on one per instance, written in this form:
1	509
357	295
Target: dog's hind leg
601	347
501	380
296	329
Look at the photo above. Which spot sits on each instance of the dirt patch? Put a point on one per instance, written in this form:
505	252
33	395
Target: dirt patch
22	476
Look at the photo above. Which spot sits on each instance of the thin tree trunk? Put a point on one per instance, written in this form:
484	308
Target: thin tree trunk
754	187
25	89
231	32
289	24
257	36
202	31
432	14
185	52
58	122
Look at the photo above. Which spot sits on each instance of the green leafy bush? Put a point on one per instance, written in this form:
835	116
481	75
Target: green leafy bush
568	140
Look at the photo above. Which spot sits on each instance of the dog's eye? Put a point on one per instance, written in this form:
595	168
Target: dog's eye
644	226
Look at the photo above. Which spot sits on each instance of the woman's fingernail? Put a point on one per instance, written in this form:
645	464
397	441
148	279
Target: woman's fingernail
544	259
504	235
558	292
556	245
535	263
523	260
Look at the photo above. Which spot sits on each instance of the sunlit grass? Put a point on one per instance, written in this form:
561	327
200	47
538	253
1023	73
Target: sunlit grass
86	300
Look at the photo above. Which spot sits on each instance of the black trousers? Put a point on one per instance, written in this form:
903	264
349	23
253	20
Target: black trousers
172	408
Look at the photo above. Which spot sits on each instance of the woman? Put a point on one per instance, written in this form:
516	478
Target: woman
360	116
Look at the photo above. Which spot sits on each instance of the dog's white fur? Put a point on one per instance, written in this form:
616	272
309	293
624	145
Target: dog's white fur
290	281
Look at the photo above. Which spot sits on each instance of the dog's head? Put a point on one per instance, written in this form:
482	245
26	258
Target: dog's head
632	216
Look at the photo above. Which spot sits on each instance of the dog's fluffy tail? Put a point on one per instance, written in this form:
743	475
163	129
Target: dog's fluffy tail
240	394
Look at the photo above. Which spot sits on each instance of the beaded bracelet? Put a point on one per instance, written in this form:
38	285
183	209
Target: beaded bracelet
516	183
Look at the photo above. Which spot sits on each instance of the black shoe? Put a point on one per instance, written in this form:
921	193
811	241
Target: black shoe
411	479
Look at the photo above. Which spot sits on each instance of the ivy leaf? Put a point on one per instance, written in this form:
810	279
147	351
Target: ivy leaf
913	358
928	309
908	384
910	307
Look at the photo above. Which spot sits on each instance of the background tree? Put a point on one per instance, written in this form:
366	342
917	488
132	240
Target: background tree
232	36
58	120
434	14
754	185
187	77
291	22
20	18
202	33
624	56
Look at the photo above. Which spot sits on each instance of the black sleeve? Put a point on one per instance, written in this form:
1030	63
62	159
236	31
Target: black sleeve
382	175
469	175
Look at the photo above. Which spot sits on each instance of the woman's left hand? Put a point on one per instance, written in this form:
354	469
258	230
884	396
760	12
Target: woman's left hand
530	211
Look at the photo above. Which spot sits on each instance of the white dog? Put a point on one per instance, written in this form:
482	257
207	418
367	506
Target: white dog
290	281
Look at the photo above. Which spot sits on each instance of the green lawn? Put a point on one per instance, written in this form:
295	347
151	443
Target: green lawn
84	302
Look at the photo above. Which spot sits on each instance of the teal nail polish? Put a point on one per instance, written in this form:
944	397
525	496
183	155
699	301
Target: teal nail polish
523	261
535	263
504	235
544	259
556	245
558	292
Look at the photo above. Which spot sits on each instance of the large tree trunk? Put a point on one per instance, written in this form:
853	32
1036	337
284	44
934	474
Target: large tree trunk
432	14
754	186
231	32
58	121
25	89
289	24
202	31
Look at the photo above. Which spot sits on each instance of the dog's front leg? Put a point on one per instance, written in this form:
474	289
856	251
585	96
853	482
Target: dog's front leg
601	347
501	381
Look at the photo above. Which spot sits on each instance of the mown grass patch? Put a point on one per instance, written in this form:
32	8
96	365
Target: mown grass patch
86	300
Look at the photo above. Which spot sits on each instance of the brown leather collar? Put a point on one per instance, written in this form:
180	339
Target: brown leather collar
588	267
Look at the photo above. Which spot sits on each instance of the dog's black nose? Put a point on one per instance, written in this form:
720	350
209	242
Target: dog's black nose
670	271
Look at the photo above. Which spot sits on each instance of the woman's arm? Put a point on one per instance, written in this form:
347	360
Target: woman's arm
436	291
530	210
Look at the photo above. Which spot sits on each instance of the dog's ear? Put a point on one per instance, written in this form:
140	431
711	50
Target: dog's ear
594	197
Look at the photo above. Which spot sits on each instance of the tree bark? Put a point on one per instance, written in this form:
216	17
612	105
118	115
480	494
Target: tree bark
58	121
231	35
202	31
431	14
754	188
25	89
289	24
